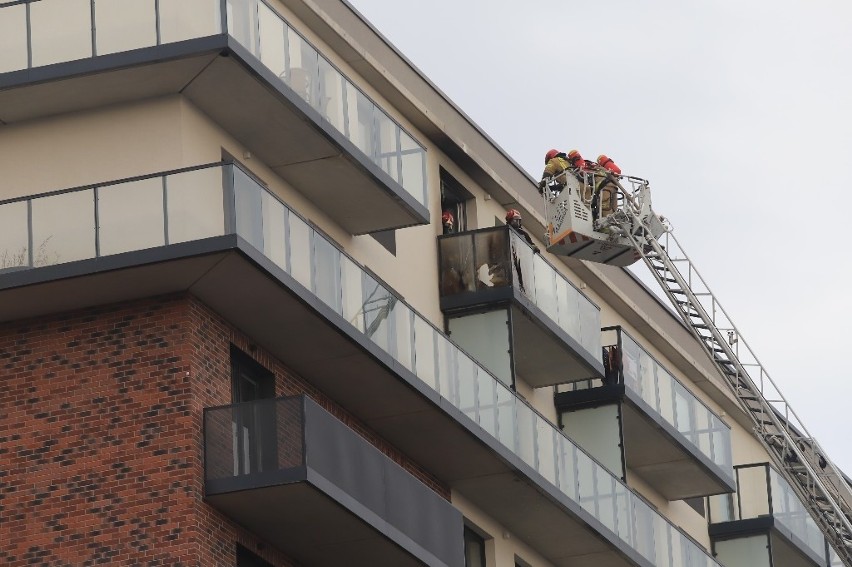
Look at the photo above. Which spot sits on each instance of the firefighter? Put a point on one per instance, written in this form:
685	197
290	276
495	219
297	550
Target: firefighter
606	187
555	165
513	219
448	222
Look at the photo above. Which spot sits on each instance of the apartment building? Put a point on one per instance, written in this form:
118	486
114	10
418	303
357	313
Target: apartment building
232	332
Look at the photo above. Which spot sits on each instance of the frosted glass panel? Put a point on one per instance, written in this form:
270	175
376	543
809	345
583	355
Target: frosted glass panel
130	216
273	49
752	551
61	31
187	19
13	38
195	205
123	25
64	227
597	431
486	337
14	237
300	251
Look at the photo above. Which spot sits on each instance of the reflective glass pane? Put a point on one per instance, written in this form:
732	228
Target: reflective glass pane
242	23
402	321
491	265
331	89
523	268
14	237
388	158
487	402
302	74
122	25
568	316
195	205
273	35
506	429
378	303
546	449
446	353
644	523
665	389
456	264
526	434
545	286
424	352
590	325
300	250
64	227
13	38
567	467
466	385
187	19
353	293
326	278
360	121
61	31
130	216
606	497
623	513
586	475
248	208
274	230
413	167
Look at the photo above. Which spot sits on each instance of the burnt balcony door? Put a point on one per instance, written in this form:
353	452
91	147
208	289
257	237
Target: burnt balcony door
256	449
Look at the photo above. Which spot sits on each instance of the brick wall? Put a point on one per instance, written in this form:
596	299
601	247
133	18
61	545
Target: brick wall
101	436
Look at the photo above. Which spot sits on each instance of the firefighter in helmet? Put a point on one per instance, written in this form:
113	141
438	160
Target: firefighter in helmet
555	165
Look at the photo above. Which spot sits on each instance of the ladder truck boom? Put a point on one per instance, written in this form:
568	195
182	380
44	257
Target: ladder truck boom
818	483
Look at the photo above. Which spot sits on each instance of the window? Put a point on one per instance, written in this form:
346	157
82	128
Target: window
253	423
474	549
454	198
246	558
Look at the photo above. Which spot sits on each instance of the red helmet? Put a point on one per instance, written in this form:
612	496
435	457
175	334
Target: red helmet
512	214
550	155
447	218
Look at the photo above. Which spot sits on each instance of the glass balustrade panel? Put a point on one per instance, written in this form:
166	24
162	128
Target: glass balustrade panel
544	280
302	75
525	422
446	367
195	204
249	208
188	19
326	274
752	490
466	375
131	216
590	326
413	161
378	303
360	121
299	241
352	293
486	394
425	349
274	219
272	35
523	269
457	275
61	31
568	316
332	88
402	318
123	25
388	145
567	455
242	23
63	228
14	238
545	449
506	432
491	262
13	38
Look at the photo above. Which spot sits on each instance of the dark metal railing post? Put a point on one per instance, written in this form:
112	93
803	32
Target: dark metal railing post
229	196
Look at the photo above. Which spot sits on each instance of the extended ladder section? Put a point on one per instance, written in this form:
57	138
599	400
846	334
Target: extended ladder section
817	481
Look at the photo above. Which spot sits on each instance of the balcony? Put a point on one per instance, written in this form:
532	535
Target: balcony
286	470
764	523
670	438
554	330
240	63
215	232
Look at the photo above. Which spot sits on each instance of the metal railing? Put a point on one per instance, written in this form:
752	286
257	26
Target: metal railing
498	257
35	33
762	491
224	199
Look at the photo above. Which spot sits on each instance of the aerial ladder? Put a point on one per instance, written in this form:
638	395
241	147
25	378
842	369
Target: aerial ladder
632	231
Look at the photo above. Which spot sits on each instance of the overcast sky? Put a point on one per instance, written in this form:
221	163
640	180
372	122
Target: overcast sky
737	112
